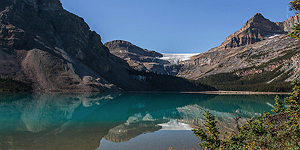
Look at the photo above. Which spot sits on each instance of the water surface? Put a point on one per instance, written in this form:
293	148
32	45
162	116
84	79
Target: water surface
117	120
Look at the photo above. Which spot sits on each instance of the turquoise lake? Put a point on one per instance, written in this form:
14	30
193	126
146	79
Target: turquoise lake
124	121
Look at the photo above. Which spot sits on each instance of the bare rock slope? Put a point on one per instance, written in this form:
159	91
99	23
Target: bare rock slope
137	58
259	47
55	50
254	30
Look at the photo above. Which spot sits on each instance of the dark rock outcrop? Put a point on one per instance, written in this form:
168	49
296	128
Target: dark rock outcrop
53	49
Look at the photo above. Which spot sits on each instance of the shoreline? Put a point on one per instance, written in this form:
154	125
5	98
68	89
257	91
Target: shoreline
242	93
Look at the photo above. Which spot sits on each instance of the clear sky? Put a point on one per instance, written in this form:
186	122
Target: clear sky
173	26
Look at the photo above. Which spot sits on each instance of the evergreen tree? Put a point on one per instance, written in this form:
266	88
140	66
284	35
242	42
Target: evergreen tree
210	136
278	106
295	6
272	131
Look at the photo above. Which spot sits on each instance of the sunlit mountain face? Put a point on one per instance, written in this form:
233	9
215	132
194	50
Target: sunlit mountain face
84	121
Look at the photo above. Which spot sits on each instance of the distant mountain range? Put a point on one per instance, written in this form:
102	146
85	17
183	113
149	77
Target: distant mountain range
51	49
257	57
256	37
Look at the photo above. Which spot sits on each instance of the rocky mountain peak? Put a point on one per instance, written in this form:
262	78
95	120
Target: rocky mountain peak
259	52
54	50
49	4
37	4
137	58
258	16
254	30
122	48
257	19
265	25
289	23
119	42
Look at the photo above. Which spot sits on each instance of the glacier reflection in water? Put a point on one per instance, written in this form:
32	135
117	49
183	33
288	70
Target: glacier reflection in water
80	121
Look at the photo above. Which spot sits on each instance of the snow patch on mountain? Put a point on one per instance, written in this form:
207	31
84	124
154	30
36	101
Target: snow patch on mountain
176	58
273	36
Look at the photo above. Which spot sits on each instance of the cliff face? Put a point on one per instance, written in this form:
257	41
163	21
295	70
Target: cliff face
280	50
289	23
259	47
43	44
254	30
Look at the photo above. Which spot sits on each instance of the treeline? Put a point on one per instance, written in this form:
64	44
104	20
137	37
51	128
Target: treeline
11	85
159	82
255	83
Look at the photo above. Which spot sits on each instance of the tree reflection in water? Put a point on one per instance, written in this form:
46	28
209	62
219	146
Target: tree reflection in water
80	121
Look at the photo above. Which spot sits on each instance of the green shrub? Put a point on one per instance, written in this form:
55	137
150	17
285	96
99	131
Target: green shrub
272	131
211	139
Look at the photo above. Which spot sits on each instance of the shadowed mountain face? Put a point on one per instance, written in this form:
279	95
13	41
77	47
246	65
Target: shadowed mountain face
43	44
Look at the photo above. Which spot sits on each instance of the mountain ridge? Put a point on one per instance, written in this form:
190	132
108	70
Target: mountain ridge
55	50
273	58
254	30
260	49
138	58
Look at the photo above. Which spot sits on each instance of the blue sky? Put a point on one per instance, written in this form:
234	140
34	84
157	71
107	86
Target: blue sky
173	26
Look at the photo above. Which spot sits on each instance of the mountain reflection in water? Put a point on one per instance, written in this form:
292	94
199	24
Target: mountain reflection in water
80	121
